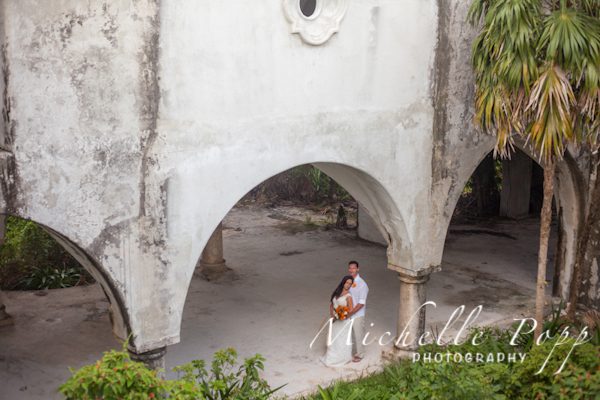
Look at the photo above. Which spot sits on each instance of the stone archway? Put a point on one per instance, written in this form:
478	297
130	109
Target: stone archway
369	191
195	228
118	314
567	195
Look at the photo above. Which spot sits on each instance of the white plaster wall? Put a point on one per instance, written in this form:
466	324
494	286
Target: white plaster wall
243	99
139	124
73	93
74	90
240	99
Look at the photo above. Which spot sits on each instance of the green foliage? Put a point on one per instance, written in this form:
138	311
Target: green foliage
405	380
224	381
580	378
31	259
537	72
334	393
552	325
51	278
116	376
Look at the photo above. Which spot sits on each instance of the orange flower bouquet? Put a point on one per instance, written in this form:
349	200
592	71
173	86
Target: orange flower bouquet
342	312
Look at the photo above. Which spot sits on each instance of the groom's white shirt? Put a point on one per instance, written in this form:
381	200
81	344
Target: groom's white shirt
359	295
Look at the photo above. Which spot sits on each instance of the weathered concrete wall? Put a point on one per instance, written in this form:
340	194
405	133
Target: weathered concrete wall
78	126
589	290
138	125
255	100
133	126
6	131
3	79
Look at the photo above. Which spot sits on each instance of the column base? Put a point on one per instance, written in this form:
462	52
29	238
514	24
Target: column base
154	359
214	272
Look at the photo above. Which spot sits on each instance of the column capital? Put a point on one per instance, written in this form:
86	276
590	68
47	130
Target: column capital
413	276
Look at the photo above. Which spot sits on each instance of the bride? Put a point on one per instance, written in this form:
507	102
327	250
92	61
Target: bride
339	351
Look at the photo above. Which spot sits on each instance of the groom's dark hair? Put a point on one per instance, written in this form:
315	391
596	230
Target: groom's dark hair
353	262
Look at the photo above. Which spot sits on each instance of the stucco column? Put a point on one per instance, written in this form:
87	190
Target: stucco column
411	311
411	316
212	264
154	359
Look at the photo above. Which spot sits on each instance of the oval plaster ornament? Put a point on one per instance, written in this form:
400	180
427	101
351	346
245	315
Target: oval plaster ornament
315	20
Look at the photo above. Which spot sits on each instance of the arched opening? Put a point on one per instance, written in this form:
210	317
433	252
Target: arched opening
285	260
490	254
63	311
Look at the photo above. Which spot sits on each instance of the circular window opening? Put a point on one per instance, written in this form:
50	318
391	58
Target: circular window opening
308	7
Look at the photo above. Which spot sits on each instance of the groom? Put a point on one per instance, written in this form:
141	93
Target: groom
359	292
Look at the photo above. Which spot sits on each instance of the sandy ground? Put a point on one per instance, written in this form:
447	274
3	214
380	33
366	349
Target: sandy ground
285	271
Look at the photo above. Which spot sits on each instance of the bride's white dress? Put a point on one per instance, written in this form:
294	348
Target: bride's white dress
339	352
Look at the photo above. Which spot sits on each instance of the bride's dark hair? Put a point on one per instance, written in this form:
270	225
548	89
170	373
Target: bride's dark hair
340	287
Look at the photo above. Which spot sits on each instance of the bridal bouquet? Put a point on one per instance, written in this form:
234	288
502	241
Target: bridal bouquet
341	312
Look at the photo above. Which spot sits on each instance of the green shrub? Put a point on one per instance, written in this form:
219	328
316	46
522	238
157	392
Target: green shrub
51	278
407	380
580	378
116	376
31	259
224	381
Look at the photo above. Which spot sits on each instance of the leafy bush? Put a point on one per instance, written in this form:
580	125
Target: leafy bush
580	379
31	259
116	376
223	381
51	278
407	380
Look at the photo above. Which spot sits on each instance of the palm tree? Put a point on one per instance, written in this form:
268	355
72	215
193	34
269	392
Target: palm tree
537	73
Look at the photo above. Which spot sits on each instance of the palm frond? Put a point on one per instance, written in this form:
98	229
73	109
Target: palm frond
477	10
551	102
570	38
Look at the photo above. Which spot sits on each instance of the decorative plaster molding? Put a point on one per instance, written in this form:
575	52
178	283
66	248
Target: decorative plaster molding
321	25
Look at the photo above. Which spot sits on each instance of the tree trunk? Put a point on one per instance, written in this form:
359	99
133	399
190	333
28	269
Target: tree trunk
592	217
545	219
559	261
